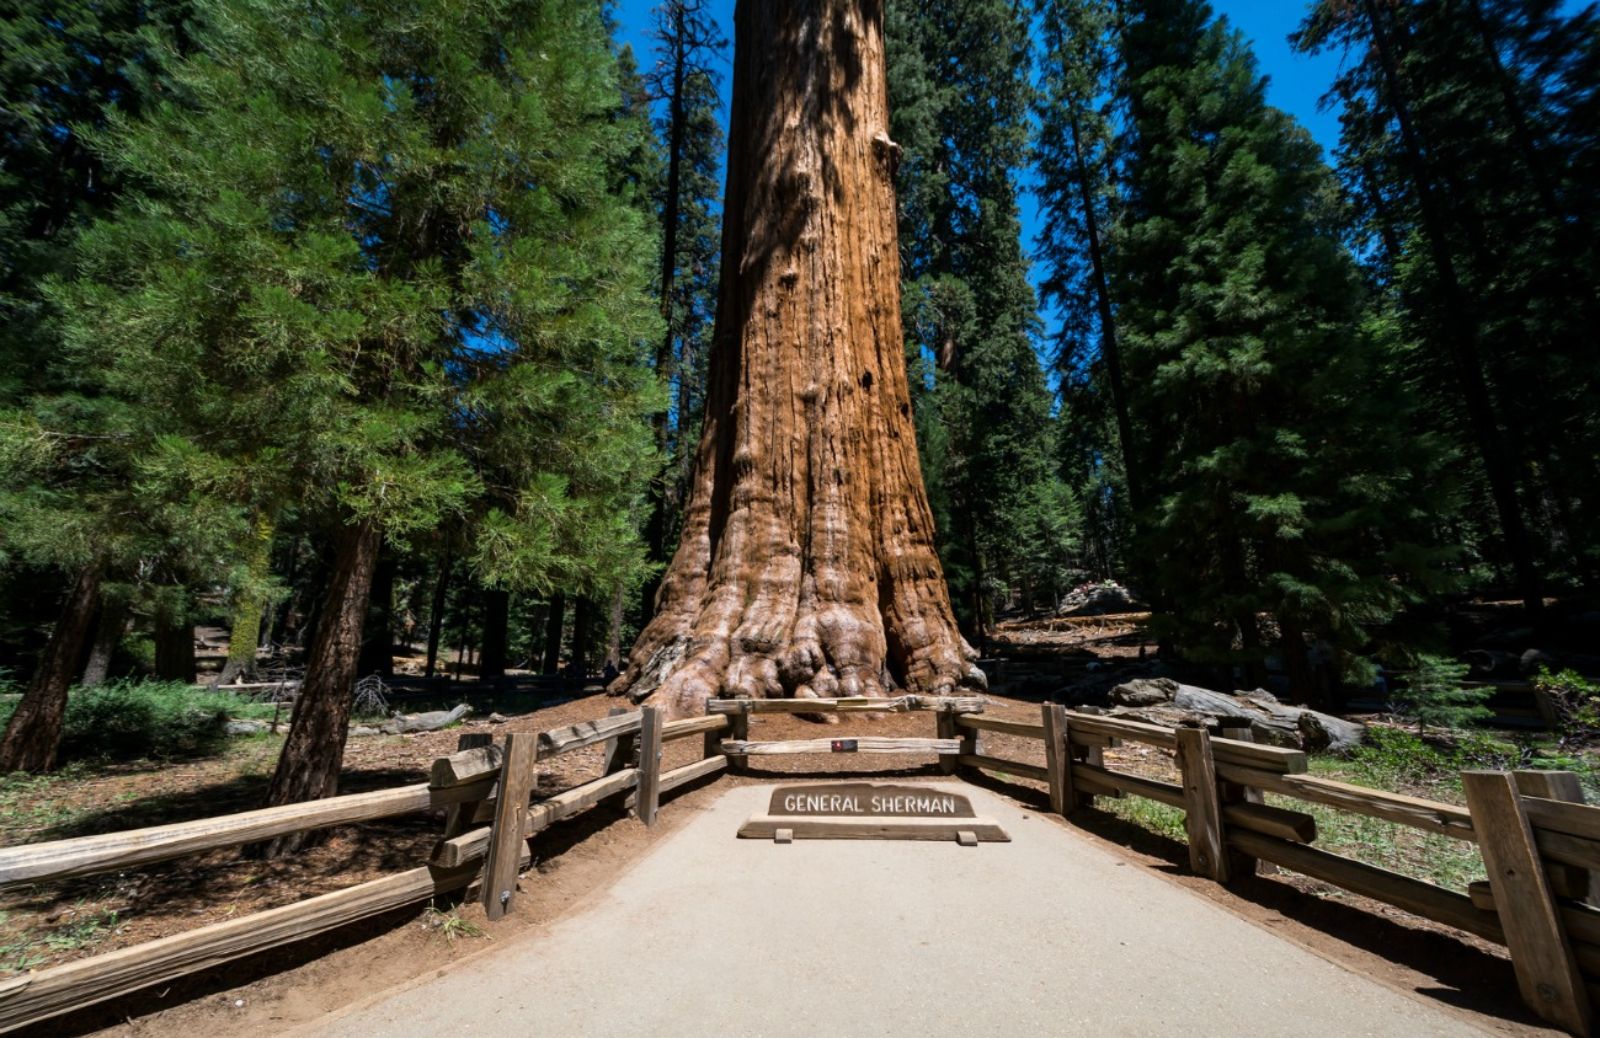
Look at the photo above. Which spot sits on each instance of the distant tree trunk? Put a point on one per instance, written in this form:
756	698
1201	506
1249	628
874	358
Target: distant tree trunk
582	621
614	628
109	625
806	565
377	645
554	622
308	768
1461	330
249	604
33	735
174	638
496	633
441	591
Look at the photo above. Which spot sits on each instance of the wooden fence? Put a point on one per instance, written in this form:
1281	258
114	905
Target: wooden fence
467	784
1539	841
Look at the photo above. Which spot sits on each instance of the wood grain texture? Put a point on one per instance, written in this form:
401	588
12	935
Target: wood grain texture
1412	895
979	723
470	846
684	728
854	827
586	733
468	764
506	838
1202	806
863	744
1101	778
1431	815
945	727
108	852
1271	821
1547	972
1000	764
621	750
1573	878
649	793
45	993
1557	816
1244	754
1057	761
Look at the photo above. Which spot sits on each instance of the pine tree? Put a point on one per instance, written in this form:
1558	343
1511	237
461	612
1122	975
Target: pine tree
379	260
959	104
1283	485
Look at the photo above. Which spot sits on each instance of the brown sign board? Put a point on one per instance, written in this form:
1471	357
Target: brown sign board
843	800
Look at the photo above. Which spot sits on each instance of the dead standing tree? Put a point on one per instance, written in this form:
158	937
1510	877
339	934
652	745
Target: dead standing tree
806	565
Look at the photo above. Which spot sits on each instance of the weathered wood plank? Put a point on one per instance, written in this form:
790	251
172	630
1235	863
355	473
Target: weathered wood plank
1009	767
1271	821
945	727
586	733
1547	972
738	731
1116	782
1057	762
37	996
650	765
858	744
671	780
1431	815
1582	921
977	722
1411	895
105	852
1244	754
859	827
682	729
468	847
505	838
620	750
1571	879
470	763
1558	816
1202	807
853	704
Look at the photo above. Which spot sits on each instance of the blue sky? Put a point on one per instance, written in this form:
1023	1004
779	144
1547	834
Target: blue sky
1295	82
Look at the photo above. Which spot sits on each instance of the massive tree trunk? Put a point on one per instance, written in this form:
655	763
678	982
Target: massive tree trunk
109	626
34	734
806	565
377	646
496	634
174	638
308	768
555	621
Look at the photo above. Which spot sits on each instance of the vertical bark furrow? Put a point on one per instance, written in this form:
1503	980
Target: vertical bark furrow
806	566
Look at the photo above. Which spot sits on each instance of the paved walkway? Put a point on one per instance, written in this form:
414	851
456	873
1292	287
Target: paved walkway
1047	935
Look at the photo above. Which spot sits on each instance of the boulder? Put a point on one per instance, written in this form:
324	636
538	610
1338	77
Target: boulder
246	727
430	721
1144	692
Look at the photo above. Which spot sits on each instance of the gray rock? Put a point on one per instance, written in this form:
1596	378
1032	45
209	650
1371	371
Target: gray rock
246	727
497	718
1144	692
1326	732
363	729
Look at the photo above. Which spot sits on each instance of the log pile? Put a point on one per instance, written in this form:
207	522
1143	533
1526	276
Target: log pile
1167	702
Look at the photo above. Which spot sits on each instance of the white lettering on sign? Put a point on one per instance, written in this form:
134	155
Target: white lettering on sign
838	804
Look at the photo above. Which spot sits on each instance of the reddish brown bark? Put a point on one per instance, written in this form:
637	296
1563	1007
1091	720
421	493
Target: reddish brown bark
806	565
308	768
34	733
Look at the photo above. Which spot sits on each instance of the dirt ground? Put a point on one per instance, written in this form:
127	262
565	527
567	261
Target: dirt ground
269	993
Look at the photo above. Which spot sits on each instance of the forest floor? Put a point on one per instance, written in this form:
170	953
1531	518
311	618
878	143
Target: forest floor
49	924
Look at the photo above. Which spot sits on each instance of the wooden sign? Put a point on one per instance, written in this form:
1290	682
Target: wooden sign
864	798
867	811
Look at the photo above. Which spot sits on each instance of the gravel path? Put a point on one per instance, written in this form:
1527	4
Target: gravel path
1047	935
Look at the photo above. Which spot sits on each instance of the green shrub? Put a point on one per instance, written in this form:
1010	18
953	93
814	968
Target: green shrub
128	720
1433	695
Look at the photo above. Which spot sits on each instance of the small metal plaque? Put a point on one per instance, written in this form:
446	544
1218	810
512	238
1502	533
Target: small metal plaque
844	746
868	799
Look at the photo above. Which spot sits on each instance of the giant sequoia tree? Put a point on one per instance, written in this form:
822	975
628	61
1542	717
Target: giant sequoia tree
806	565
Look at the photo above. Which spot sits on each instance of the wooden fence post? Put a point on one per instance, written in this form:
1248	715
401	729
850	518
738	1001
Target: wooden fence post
1565	880
505	839
649	764
946	728
458	816
1240	863
1202	804
713	739
1547	972
739	730
620	750
1057	758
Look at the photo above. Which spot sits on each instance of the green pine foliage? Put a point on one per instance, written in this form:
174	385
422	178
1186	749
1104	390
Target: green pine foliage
377	266
1283	485
1434	698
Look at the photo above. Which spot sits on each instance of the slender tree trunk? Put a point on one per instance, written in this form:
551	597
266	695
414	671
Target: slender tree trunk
441	589
33	735
249	605
614	628
174	637
806	565
377	646
109	626
1461	332
555	620
582	621
308	768
496	633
